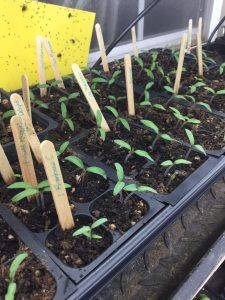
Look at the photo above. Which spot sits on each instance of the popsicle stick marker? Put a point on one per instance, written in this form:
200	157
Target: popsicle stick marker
41	65
23	152
134	41
190	26
26	94
129	85
88	95
55	68
180	64
20	110
101	45
54	175
6	170
199	48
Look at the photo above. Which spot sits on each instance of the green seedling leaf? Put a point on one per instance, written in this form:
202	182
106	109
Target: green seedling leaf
113	111
118	188
42	86
119	171
43	184
209	89
125	123
180	97
159	106
194	121
16	264
20	185
99	119
62	99
41	104
76	161
97	170
139	61
174	109
150	125
63	147
63	110
24	194
73	96
207	106
8	114
190	136
149	85
99	80
220	92
130	188
143	153
144	188
167	137
116	73
200	149
149	73
167	163
102	134
82	230
11	291
70	124
123	144
182	162
96	236
98	223
111	97
168	89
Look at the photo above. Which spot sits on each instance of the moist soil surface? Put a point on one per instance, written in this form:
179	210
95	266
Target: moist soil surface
121	214
33	280
78	251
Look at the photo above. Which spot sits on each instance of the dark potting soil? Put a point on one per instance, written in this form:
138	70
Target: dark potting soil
33	280
78	251
9	243
121	214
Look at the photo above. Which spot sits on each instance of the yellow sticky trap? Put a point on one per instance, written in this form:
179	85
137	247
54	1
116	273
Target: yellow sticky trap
69	31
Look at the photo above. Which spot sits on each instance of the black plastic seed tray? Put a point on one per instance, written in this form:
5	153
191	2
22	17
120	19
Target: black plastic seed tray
65	287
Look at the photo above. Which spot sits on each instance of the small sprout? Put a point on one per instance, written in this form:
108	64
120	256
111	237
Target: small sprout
132	151
18	260
194	87
214	93
4	116
62	148
108	81
120	120
191	139
37	102
116	99
66	119
66	99
79	163
99	129
153	127
49	86
221	68
169	164
140	62
181	118
88	230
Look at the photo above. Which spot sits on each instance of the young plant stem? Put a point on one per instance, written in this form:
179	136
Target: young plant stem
127	157
167	170
128	197
169	100
188	153
155	141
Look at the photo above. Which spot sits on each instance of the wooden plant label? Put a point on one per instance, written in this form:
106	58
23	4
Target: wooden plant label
134	41
26	94
129	84
190	25
5	169
20	110
23	151
50	52
54	175
180	64
101	45
199	48
41	65
88	95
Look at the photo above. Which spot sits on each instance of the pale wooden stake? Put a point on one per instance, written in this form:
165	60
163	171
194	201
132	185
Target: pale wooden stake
5	169
54	175
55	68
180	64
41	65
88	95
101	45
129	84
199	48
20	110
23	152
190	25
134	41
26	94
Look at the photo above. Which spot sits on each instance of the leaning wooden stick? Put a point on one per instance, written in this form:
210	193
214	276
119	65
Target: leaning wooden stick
6	170
41	65
23	152
101	45
180	64
88	95
26	94
129	85
55	68
190	25
199	48
54	175
134	41
20	110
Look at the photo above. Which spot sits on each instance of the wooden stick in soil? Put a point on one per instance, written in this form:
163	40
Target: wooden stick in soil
190	25
101	45
180	64
41	65
6	170
129	85
54	175
26	94
20	110
199	48
55	68
23	152
88	95
134	41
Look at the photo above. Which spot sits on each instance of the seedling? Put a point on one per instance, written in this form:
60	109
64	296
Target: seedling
88	230
140	63
66	119
116	99
118	120
169	164
79	163
4	116
66	99
15	265
70	80
37	102
153	127
195	103
99	129
170	90
49	86
146	101
191	139
214	93
195	86
221	68
132	151
122	186
184	119
107	81
62	148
